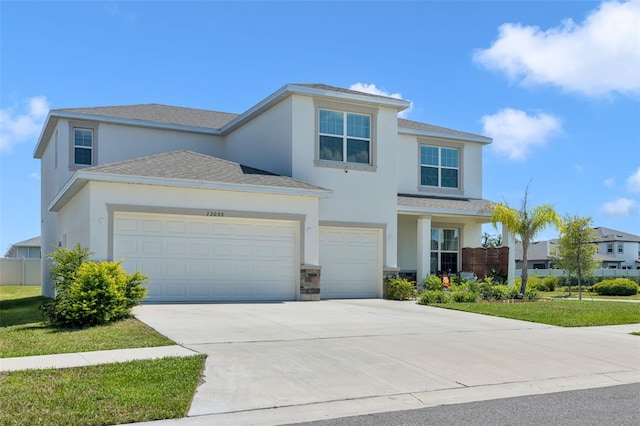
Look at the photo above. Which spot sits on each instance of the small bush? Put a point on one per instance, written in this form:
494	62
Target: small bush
495	292
400	289
542	284
530	293
464	296
430	297
616	287
90	293
432	282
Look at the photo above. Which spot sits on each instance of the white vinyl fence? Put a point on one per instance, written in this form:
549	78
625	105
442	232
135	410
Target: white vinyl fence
613	273
20	271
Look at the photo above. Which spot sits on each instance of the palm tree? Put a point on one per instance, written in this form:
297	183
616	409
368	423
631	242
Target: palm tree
525	223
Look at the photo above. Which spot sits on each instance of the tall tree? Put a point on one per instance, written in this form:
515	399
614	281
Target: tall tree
576	247
525	223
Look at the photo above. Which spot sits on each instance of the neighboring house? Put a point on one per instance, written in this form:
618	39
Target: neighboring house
315	191
27	249
539	254
616	250
622	248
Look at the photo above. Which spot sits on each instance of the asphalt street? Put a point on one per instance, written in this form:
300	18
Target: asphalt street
608	406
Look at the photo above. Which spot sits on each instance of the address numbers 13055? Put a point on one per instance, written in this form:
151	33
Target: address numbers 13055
215	213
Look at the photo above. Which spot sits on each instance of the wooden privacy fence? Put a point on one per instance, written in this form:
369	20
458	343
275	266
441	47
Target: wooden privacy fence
483	262
20	271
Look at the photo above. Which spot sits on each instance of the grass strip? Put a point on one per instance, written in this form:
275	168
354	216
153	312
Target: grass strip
564	313
99	395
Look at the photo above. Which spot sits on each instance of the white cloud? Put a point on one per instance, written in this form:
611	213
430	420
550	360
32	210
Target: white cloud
633	181
515	133
34	175
597	57
373	90
609	182
23	125
620	207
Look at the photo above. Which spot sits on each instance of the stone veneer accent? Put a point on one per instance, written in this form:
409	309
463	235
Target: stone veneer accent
310	282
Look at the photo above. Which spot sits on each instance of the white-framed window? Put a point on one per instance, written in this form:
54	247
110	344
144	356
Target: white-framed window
344	137
83	143
439	167
445	246
609	247
620	247
82	147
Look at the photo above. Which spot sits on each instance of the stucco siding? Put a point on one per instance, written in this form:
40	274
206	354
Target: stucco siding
409	166
264	142
185	200
359	196
117	143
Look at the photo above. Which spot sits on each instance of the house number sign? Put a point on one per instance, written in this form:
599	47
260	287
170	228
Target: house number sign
215	213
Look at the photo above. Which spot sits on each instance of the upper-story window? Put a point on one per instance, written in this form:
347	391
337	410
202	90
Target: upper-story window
609	247
344	137
620	248
439	166
83	144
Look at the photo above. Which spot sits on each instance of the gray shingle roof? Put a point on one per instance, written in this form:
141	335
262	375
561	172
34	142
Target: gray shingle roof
608	234
193	166
424	127
472	205
158	113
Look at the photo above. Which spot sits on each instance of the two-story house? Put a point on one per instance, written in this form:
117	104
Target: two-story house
622	247
314	192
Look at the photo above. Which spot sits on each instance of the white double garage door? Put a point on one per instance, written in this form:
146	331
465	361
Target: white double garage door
199	259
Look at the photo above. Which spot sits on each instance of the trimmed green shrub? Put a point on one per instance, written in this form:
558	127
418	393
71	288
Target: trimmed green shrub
430	297
616	287
542	284
464	296
90	293
65	264
495	292
432	282
530	293
401	289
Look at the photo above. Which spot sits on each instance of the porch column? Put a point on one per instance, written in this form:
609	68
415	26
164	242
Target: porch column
424	248
508	240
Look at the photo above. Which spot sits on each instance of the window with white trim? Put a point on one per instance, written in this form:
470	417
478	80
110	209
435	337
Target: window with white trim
620	248
609	247
344	137
445	245
439	166
82	147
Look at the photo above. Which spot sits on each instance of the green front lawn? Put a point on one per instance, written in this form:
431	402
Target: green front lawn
107	394
24	331
565	313
585	295
104	394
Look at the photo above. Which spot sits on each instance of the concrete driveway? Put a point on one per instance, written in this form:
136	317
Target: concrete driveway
271	363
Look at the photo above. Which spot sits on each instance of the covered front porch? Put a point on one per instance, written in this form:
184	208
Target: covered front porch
433	230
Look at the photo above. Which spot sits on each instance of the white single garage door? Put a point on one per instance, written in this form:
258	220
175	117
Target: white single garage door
191	258
351	260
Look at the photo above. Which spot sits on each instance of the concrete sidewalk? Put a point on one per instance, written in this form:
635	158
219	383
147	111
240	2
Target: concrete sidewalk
83	359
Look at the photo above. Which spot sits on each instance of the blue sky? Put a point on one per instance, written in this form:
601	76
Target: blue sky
556	84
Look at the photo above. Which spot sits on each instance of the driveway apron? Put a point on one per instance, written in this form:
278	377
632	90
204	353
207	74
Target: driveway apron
266	355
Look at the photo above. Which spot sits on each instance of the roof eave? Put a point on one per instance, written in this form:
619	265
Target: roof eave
291	89
54	115
468	138
80	179
451	212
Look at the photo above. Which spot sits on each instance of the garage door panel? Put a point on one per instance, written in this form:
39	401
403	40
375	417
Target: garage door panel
209	259
351	260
